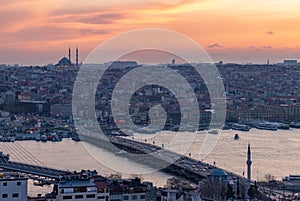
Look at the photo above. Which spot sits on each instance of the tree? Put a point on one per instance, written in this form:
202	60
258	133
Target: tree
213	189
229	192
251	192
176	183
269	177
115	176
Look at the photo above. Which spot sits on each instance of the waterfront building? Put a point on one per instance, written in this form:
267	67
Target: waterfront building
292	183
13	186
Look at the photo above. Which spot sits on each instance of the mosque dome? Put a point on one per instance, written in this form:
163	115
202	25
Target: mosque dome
64	62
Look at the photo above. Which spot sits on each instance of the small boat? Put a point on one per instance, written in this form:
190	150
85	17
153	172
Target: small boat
295	125
226	127
37	138
240	127
214	131
44	138
12	139
236	136
266	126
121	152
76	138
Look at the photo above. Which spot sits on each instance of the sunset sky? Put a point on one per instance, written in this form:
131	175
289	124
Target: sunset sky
40	32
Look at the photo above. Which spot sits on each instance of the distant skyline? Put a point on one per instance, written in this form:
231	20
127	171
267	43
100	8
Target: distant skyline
40	32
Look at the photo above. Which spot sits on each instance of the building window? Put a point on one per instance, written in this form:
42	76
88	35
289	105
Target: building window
4	195
15	195
101	197
78	196
4	184
90	196
67	197
18	183
134	197
142	197
125	197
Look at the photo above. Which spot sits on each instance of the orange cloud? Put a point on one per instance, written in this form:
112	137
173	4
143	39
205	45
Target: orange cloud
34	26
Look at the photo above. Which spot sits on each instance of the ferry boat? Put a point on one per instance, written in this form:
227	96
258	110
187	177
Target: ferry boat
295	125
240	127
283	126
266	126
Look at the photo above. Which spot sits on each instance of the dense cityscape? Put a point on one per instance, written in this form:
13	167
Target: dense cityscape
36	104
153	100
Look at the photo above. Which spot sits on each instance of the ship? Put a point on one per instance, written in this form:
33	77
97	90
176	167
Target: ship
266	126
240	127
295	125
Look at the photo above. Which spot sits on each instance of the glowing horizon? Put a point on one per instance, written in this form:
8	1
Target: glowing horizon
232	31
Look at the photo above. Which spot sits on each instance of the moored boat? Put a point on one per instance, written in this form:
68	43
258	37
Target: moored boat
240	127
44	138
295	125
266	126
213	131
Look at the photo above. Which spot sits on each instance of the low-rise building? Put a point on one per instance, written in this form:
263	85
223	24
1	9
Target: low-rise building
78	186
13	187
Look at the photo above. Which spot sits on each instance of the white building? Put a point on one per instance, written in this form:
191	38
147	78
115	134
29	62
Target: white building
13	187
172	195
179	195
79	187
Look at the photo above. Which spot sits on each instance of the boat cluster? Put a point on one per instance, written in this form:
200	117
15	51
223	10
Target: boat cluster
53	137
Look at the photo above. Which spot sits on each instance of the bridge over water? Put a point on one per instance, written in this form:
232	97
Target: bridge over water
174	163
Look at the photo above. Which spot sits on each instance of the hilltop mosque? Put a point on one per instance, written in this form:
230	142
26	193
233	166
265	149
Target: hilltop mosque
67	62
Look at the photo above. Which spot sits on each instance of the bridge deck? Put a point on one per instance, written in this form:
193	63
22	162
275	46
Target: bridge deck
32	169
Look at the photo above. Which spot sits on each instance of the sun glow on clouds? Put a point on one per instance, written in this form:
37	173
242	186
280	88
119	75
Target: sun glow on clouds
44	27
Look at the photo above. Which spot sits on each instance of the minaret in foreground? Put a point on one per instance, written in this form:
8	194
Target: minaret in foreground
249	162
76	56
